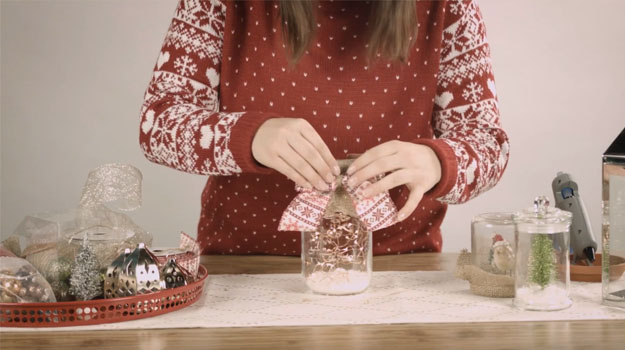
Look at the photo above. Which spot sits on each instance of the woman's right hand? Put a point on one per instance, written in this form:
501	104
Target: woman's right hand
294	148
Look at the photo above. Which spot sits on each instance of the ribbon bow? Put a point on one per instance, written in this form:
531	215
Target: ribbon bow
307	209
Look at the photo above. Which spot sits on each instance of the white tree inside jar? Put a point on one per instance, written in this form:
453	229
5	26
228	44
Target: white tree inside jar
542	268
337	228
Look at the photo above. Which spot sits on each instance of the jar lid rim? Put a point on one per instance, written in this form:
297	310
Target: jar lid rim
495	217
551	216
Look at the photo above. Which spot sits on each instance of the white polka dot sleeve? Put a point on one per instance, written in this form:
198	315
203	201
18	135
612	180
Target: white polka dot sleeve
181	125
472	146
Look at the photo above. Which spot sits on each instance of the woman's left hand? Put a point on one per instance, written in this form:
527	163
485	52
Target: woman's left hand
407	163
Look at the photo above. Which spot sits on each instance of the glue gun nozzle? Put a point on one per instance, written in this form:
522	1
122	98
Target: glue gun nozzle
590	254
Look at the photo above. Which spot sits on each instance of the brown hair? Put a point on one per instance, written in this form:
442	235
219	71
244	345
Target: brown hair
393	28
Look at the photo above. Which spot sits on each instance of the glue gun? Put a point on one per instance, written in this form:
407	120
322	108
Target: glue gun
566	193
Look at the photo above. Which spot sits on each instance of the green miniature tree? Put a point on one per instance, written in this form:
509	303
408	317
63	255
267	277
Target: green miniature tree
542	265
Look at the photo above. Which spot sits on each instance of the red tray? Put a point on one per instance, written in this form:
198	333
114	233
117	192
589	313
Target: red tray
80	313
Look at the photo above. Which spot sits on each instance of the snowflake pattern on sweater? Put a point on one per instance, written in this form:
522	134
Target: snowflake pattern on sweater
222	71
468	120
182	126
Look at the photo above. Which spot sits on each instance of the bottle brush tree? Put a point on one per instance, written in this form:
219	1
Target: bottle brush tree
542	264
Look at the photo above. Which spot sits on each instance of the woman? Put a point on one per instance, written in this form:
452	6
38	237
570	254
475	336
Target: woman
263	94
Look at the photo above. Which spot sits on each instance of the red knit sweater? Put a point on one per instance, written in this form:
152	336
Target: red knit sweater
223	71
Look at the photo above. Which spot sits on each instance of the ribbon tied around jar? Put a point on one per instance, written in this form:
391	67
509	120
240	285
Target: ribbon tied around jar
307	210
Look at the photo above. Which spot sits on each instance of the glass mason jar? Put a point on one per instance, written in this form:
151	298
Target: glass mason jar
542	269
337	256
613	230
107	243
492	242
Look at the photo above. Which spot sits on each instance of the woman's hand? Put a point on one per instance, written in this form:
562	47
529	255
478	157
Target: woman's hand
294	148
410	164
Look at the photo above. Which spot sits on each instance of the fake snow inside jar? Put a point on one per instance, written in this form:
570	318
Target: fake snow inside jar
337	257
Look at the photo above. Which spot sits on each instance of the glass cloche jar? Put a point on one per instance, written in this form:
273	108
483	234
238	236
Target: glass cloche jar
542	266
492	242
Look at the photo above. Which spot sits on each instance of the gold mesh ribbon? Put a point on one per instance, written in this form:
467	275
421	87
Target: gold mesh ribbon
116	185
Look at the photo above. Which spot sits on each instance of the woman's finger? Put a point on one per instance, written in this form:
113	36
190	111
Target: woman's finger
379	166
313	137
312	156
295	161
382	150
285	169
392	180
416	194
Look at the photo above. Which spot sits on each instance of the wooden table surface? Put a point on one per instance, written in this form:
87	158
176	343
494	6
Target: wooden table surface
505	335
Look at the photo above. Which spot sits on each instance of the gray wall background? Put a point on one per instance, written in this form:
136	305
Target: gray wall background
73	75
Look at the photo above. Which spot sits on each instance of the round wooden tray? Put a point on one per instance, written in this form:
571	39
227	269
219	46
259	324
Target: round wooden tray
592	273
80	313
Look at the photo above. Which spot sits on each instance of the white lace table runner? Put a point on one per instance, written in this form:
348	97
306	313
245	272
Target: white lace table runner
393	297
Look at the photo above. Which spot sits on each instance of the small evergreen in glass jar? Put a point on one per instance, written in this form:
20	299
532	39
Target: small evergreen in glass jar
542	268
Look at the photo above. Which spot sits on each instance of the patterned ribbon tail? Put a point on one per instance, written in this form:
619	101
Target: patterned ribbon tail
116	185
305	211
308	207
191	245
375	213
